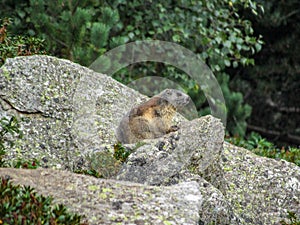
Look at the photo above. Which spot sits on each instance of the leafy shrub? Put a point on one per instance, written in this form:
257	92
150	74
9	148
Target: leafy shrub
262	147
11	46
83	30
214	30
22	205
121	153
8	126
9	132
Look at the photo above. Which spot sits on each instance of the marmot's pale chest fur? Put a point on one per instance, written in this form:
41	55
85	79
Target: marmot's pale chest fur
153	118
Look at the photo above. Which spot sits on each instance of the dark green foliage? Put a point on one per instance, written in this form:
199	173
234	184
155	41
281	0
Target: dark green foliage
83	30
212	29
272	87
121	153
18	12
262	147
238	111
9	133
8	127
25	164
11	46
22	205
77	30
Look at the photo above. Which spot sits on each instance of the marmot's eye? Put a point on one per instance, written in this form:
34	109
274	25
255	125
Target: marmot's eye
179	94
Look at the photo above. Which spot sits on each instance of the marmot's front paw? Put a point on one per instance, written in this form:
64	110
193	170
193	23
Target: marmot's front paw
173	128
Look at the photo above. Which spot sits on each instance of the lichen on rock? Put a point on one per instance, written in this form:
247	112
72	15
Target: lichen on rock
68	116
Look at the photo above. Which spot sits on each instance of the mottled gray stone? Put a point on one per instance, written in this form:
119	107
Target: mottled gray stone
196	146
69	113
114	202
260	190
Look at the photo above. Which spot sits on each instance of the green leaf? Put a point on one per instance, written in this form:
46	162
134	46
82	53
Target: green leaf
176	38
235	64
227	62
258	47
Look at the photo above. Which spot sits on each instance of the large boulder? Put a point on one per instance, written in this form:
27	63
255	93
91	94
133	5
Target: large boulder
68	116
114	202
67	110
260	190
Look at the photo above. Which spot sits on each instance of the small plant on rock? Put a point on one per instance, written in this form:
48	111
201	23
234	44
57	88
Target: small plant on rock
11	46
260	146
8	127
22	205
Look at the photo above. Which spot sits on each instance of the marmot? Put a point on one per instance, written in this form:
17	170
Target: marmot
153	118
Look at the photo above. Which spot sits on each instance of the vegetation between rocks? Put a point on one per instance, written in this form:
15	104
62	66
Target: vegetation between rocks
260	146
22	205
19	45
9	132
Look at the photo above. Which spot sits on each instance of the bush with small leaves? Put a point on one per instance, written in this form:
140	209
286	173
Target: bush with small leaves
22	205
9	133
11	46
8	127
262	147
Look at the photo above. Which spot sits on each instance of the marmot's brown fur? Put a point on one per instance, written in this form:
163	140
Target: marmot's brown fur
153	118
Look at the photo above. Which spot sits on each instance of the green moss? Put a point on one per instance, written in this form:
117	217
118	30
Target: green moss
227	169
105	190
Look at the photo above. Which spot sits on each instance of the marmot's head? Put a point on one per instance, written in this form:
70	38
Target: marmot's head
177	98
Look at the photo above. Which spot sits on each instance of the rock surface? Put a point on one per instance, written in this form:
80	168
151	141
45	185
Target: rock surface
114	202
67	110
68	114
260	189
159	162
